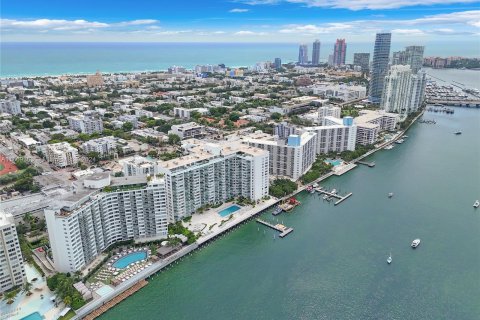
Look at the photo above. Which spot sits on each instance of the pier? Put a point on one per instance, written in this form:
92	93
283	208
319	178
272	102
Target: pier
284	231
334	195
365	163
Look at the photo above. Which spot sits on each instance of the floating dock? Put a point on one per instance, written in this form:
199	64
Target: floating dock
365	163
284	231
334	195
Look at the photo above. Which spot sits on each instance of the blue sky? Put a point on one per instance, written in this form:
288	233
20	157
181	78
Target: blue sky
239	20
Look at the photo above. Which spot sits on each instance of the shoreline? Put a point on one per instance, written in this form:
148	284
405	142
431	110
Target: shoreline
229	226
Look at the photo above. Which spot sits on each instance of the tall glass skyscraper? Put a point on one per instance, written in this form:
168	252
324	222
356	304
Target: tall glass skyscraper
339	52
381	53
303	54
316	53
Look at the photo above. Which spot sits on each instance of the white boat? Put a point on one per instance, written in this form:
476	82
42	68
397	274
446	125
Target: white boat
458	132
333	191
315	185
389	259
389	147
415	243
476	204
325	197
390	194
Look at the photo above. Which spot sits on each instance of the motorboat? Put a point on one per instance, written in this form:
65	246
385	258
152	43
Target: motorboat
389	147
415	243
390	194
325	197
476	204
399	141
458	132
334	191
277	211
315	185
389	259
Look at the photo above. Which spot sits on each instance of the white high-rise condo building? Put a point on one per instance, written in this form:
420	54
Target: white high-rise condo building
61	154
290	158
397	89
213	173
335	135
83	226
303	54
12	272
371	123
417	91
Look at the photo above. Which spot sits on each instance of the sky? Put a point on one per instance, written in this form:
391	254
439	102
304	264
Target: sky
238	20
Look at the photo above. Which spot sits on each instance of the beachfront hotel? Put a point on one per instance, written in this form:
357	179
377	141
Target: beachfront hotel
213	173
12	272
289	158
102	212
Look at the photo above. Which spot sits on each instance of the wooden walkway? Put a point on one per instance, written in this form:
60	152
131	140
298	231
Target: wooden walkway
110	304
334	195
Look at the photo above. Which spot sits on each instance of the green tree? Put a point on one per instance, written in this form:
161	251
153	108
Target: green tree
234	116
173	139
127	126
276	116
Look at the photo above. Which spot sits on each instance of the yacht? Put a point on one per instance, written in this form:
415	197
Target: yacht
476	204
399	141
315	185
389	147
390	194
389	259
415	243
458	132
333	191
325	197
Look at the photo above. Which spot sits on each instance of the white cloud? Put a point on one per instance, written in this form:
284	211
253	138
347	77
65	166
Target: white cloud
315	29
249	33
238	10
462	17
359	4
173	32
409	32
136	22
49	24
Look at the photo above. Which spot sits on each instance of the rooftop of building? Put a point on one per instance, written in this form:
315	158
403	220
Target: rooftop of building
200	150
5	219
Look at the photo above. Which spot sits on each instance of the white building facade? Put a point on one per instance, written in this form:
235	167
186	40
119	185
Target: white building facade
12	271
61	154
80	232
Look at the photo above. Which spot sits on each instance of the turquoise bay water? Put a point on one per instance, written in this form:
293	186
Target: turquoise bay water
130	258
333	266
38	59
227	211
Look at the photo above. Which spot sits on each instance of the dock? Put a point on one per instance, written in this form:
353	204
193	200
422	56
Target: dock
284	231
334	195
365	163
110	304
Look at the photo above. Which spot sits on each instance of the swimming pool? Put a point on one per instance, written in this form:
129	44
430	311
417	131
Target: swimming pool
227	211
123	262
33	316
335	162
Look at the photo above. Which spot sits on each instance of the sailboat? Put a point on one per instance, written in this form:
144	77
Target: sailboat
389	260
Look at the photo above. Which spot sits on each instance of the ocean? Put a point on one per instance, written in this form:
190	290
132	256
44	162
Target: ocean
41	59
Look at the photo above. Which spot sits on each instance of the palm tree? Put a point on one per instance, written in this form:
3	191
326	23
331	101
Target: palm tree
67	300
26	288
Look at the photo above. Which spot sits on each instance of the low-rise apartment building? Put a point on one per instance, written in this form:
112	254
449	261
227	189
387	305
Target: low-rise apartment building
187	130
